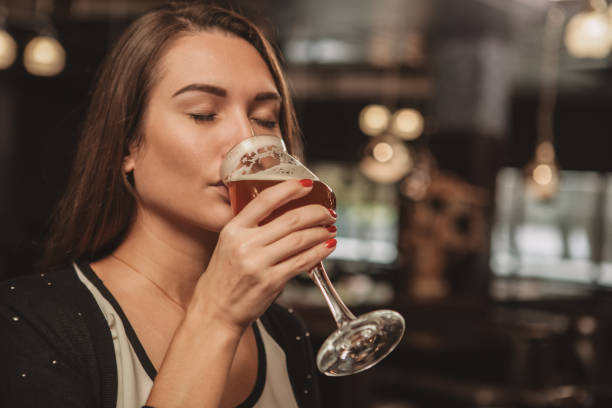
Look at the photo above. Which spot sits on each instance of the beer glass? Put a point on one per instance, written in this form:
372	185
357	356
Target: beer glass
360	342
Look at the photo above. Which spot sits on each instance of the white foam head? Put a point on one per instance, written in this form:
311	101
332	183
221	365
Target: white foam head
278	172
262	158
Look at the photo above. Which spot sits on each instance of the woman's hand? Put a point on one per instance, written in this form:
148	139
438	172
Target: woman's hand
252	263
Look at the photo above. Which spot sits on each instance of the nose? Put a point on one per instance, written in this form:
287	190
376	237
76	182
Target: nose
240	128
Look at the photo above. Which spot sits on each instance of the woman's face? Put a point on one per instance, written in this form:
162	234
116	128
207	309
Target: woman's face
213	90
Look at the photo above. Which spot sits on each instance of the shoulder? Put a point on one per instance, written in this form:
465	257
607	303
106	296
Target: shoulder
56	348
54	308
43	292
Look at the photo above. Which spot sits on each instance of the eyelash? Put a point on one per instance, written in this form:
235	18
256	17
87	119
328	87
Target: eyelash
269	124
202	118
198	118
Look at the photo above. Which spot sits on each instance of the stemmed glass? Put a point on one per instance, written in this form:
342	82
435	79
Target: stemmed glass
360	342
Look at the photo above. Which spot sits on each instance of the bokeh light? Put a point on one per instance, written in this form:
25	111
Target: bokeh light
374	119
382	152
407	124
386	160
542	179
542	174
44	56
589	35
8	49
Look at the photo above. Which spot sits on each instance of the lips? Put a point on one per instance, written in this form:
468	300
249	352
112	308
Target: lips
222	190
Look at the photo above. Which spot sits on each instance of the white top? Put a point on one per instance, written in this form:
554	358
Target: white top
134	383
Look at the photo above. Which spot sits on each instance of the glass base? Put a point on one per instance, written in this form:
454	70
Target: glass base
360	343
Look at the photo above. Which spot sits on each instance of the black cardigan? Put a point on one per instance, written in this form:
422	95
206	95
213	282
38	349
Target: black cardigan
56	348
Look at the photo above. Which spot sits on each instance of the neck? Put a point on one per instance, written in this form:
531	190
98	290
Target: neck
169	256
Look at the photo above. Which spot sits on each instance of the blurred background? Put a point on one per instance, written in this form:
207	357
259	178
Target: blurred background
469	143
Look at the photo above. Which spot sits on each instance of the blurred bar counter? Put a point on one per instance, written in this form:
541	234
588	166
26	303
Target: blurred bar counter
508	352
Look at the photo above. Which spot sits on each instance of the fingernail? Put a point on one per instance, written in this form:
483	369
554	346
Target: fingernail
333	213
331	243
306	182
332	228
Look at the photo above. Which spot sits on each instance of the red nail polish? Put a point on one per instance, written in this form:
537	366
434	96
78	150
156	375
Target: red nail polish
331	243
332	228
306	182
333	213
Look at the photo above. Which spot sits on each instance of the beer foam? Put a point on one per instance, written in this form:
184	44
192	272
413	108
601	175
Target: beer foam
258	142
277	173
268	155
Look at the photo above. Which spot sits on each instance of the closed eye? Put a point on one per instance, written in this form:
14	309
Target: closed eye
269	124
202	118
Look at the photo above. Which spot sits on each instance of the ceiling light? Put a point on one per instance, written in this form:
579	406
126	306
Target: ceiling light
374	119
386	160
543	173
382	152
8	49
407	124
44	56
589	35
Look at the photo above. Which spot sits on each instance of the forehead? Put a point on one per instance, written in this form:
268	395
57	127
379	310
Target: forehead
214	57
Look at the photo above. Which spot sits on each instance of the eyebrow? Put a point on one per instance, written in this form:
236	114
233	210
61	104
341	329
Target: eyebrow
267	96
218	91
211	89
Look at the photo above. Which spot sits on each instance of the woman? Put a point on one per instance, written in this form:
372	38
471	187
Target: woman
168	299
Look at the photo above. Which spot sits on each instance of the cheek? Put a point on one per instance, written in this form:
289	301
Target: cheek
168	163
171	157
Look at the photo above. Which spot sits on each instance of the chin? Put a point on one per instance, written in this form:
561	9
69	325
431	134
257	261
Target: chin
221	218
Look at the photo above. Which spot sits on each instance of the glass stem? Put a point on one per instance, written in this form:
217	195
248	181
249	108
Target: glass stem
340	312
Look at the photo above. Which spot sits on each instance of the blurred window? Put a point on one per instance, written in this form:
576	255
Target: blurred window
565	238
367	214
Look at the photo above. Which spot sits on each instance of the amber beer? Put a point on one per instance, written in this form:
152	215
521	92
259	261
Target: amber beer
241	192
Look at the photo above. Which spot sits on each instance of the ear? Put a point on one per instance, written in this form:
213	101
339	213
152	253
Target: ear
129	160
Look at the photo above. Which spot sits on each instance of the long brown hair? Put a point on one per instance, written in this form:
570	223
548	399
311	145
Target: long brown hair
97	208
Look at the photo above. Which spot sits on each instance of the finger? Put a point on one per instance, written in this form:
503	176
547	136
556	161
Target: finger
270	199
296	242
305	261
295	220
